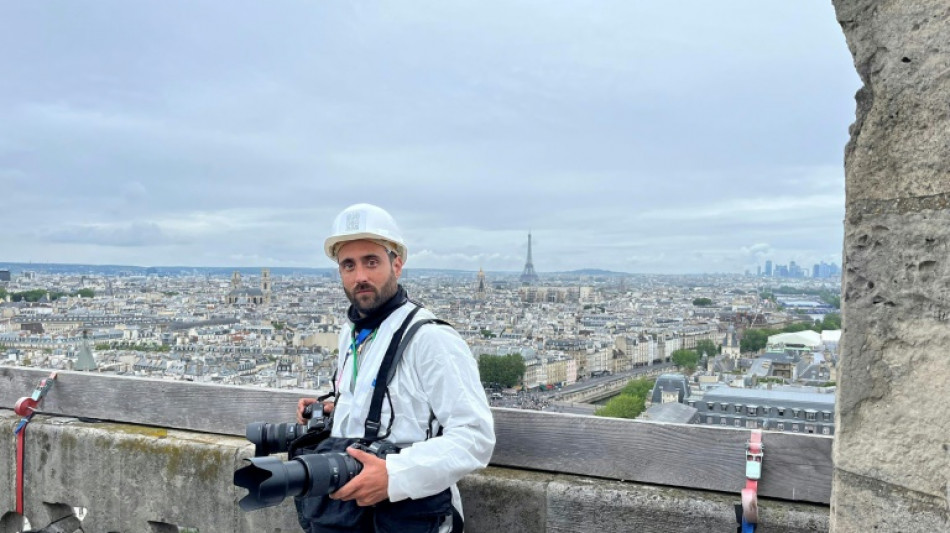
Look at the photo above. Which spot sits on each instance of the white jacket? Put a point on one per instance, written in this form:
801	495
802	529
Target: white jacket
437	376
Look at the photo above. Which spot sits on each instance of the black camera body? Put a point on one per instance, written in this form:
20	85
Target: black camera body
277	438
269	480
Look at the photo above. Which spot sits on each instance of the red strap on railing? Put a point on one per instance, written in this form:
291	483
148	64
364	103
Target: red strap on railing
19	473
753	472
26	407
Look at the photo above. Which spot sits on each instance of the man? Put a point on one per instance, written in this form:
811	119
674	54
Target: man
436	411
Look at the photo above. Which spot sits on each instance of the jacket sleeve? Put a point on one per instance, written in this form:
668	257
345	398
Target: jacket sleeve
448	375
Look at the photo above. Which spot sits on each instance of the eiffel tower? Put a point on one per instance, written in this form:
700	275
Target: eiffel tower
529	275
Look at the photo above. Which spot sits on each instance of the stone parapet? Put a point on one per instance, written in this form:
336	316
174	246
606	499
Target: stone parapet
892	451
132	478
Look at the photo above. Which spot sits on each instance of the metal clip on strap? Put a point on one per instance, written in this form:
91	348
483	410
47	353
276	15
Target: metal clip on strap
749	517
26	407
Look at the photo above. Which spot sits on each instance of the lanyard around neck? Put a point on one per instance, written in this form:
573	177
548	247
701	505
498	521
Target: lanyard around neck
356	348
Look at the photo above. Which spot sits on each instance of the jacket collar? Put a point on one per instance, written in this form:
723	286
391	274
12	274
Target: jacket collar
374	319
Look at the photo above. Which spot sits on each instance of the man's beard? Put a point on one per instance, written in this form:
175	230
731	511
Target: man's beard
379	297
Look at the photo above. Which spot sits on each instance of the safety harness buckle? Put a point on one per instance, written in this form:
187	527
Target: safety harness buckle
747	513
26	407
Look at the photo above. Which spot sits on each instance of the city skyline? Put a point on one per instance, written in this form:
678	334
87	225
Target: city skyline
629	138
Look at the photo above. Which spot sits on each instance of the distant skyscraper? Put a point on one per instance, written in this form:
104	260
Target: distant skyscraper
529	275
795	271
825	270
768	268
4	275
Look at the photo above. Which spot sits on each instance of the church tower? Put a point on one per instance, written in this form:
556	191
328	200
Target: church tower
480	291
266	285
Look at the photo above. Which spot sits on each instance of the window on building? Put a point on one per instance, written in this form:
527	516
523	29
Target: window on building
709	405
781	426
826	416
752	410
810	416
722	420
797	413
810	429
781	411
751	424
794	427
738	423
825	431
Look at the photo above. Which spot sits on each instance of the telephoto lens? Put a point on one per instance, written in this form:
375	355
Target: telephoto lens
273	438
269	480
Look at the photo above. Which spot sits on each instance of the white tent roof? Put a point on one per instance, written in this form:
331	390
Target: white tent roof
807	338
831	335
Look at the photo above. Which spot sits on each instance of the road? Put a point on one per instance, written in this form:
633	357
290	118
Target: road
547	400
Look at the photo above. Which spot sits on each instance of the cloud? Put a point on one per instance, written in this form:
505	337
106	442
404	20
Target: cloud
631	137
136	234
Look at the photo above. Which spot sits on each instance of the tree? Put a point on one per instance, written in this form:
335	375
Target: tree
630	402
622	406
85	293
831	298
702	302
795	328
831	321
685	359
754	340
708	347
638	387
505	370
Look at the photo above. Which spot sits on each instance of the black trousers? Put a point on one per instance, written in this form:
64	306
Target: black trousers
319	514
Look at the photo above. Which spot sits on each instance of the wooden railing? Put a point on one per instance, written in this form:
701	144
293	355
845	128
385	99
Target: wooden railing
796	467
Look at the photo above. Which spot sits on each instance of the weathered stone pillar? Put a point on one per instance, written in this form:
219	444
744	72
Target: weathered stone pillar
892	448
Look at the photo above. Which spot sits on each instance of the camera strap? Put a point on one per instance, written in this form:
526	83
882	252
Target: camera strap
372	424
387	370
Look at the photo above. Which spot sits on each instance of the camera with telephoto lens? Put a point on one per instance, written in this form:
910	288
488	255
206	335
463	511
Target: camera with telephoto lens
277	438
269	480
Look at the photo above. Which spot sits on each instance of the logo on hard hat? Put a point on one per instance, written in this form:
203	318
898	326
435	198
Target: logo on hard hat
352	221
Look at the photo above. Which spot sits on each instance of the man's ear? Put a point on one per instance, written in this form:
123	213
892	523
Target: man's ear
397	266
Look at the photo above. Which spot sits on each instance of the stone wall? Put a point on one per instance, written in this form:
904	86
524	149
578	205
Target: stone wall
141	479
892	449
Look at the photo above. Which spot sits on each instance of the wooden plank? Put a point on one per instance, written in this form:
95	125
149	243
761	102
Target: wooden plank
796	467
186	405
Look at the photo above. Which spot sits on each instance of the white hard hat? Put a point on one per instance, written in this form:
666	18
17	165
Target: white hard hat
365	222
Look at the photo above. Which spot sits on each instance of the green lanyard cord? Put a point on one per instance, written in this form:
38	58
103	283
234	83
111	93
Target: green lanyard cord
356	347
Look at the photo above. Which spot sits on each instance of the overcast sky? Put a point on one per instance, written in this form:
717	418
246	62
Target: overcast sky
625	135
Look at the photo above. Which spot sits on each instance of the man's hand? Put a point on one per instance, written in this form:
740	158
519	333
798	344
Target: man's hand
301	405
304	402
371	486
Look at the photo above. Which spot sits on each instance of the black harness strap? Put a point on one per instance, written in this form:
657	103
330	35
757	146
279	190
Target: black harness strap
405	342
388	368
379	389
